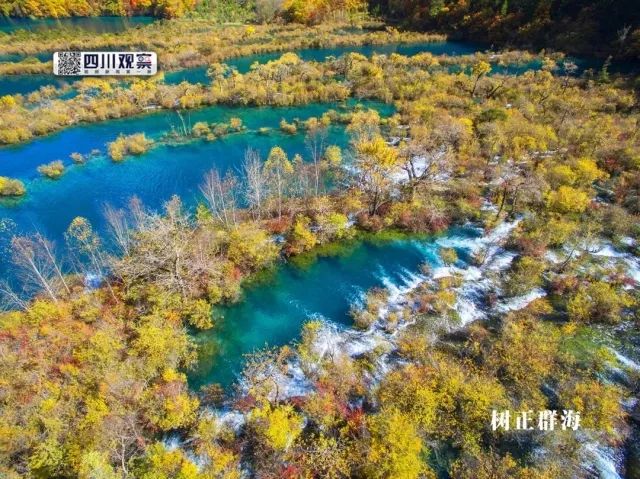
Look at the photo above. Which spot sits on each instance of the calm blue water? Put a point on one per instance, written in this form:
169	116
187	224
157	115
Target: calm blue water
24	84
243	64
50	205
27	83
18	57
92	24
21	161
272	312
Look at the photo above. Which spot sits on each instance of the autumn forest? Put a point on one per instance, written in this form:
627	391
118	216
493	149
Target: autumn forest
329	239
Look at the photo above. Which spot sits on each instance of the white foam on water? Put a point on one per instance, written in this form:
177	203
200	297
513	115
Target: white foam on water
358	297
500	233
489	206
411	279
475	283
326	340
333	341
632	263
470	244
490	241
227	418
295	383
628	241
630	403
625	361
552	257
388	283
519	302
468	311
501	260
603	460
608	251
442	272
357	346
92	281
233	419
472	273
396	293
172	442
282	384
420	165
633	267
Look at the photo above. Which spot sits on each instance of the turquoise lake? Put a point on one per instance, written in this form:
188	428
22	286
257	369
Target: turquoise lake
272	312
17	57
27	83
166	170
243	64
12	84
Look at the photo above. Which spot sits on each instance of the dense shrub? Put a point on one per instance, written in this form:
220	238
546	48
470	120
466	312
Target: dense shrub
53	170
11	187
135	145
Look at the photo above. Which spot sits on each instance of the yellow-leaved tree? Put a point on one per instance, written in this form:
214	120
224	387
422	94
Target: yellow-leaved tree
376	165
395	449
278	426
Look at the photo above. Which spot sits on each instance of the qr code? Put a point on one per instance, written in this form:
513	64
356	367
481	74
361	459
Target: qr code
104	63
69	63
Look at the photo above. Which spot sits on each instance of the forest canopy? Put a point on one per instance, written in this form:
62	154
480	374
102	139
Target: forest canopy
85	8
520	192
598	27
312	11
573	26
